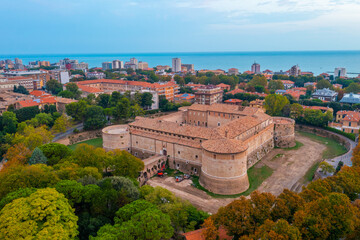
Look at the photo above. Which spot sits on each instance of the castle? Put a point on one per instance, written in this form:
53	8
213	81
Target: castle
218	142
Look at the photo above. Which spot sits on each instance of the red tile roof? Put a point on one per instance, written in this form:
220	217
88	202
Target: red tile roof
38	93
28	103
287	82
233	101
317	108
249	72
352	117
198	234
223	85
233	92
89	89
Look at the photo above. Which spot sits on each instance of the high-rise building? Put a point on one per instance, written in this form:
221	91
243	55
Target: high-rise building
295	71
117	64
134	61
18	61
107	65
143	65
255	68
176	65
340	72
188	67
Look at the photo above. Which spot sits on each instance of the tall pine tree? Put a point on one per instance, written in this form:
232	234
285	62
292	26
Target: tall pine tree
37	157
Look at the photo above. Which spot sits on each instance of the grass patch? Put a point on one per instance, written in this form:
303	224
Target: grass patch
172	172
308	177
96	142
256	177
296	147
277	156
333	148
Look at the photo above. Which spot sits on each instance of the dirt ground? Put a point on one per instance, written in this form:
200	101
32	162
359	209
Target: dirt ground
289	170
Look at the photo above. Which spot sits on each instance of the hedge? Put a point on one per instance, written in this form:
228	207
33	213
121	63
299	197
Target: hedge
348	135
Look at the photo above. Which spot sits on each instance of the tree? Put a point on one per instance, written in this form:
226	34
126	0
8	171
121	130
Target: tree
94	118
146	100
9	122
330	217
125	213
123	184
20	193
262	204
179	80
54	86
37	176
32	137
88	156
37	157
211	232
61	124
122	109
72	190
274	103
326	167
258	80
45	214
21	89
115	98
26	113
353	88
275	85
74	89
77	110
323	84
136	110
54	152
103	100
279	230
18	154
42	119
296	111
125	164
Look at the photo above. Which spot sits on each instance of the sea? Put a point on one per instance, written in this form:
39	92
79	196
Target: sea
308	61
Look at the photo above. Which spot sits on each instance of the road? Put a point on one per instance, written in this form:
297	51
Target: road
79	126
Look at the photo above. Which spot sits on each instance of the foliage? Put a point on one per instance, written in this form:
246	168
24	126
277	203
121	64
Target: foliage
345	134
21	89
20	193
53	86
274	103
122	163
279	230
122	184
94	118
54	152
61	124
258	80
32	137
275	85
77	110
326	167
323	84
26	113
37	157
9	122
44	214
353	88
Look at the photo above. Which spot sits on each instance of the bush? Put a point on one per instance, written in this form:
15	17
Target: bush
348	135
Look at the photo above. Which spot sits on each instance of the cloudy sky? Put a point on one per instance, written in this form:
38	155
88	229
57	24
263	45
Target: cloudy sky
130	26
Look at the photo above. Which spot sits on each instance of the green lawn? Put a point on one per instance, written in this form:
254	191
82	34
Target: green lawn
96	142
256	177
333	148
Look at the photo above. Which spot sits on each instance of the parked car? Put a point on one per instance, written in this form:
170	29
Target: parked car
179	178
186	176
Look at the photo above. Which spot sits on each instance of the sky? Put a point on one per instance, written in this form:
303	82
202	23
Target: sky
142	26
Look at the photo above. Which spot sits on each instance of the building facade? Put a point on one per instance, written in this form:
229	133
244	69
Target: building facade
218	143
325	94
208	95
255	68
176	65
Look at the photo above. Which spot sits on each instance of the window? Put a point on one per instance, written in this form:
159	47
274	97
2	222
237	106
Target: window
349	124
177	166
218	124
178	152
136	154
196	156
195	170
232	157
214	156
137	142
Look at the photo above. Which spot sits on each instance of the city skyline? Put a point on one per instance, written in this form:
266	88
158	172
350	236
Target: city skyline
214	26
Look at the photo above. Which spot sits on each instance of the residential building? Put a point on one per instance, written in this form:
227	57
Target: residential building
325	76
310	84
117	64
95	75
188	67
143	65
295	71
62	76
258	103
40	76
339	72
233	71
350	98
131	65
233	101
184	97
176	65
347	121
165	68
325	94
107	66
288	84
134	61
216	72
255	68
10	82
209	95
235	91
9	97
44	63
224	86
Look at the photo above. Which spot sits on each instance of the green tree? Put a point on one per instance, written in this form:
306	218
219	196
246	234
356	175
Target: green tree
26	113
61	124
72	190
279	230
74	89
94	118
77	110
115	98
45	214
20	193
258	80
42	119
122	184
9	122
32	137
146	100
275	85
353	88
37	157
296	111
323	84
274	103
326	167
103	100
179	80
54	86
125	164
122	109
55	152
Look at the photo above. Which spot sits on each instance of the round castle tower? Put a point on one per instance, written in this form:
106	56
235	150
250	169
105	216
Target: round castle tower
224	166
284	132
116	137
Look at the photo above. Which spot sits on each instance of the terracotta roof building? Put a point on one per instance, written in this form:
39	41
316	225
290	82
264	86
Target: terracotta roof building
347	121
217	142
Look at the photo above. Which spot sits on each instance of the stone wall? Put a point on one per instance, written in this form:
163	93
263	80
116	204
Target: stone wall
83	136
116	137
284	132
324	133
259	153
